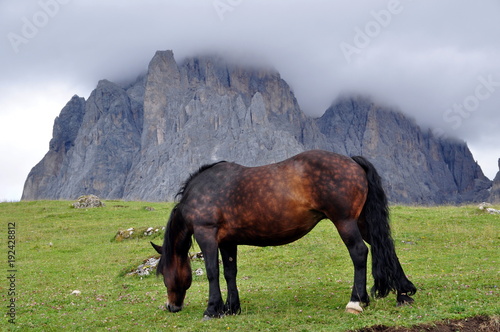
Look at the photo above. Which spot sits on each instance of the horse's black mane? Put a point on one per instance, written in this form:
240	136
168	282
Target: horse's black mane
176	226
193	175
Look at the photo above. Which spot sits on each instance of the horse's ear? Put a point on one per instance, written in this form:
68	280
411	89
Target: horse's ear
157	248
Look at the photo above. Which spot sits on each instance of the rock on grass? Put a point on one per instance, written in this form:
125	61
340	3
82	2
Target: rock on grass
88	201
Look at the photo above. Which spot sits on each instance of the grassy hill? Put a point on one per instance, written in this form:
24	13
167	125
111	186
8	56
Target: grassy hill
450	253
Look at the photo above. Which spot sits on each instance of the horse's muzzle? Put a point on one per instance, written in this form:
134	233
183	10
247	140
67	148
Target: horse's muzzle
173	308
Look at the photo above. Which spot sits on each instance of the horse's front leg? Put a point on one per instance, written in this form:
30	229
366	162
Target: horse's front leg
209	247
228	253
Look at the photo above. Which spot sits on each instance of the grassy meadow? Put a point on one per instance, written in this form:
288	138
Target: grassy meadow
450	253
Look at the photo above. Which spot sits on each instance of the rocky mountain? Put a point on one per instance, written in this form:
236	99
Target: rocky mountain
495	188
418	167
139	142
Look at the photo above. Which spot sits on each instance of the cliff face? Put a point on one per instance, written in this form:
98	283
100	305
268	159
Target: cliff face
44	180
203	111
92	148
495	189
140	142
416	166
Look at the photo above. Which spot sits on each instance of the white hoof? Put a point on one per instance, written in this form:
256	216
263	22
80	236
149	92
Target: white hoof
353	308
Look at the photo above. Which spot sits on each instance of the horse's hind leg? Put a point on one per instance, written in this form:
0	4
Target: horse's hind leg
405	286
350	234
228	253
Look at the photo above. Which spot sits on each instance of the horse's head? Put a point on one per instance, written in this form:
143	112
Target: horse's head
177	276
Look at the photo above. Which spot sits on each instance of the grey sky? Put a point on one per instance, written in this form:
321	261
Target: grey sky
437	61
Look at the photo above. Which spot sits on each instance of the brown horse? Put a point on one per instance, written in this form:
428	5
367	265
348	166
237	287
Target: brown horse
226	204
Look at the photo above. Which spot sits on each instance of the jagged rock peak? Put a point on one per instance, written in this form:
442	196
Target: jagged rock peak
66	125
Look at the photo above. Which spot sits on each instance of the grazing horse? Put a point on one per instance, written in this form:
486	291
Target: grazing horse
225	205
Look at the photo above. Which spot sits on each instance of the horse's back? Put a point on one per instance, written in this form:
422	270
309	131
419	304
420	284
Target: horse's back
276	203
313	176
332	174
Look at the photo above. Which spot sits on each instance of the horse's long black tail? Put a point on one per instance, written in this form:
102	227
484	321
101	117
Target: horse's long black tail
386	269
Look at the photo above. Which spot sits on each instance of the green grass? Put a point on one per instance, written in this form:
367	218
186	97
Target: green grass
450	253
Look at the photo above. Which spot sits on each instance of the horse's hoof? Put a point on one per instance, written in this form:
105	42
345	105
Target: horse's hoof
234	312
403	300
352	311
403	303
208	317
353	308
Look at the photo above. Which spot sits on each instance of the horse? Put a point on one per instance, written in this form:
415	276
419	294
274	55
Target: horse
226	204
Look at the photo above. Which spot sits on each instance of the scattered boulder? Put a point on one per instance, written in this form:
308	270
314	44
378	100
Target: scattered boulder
146	268
134	233
487	207
483	205
88	201
148	265
493	211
